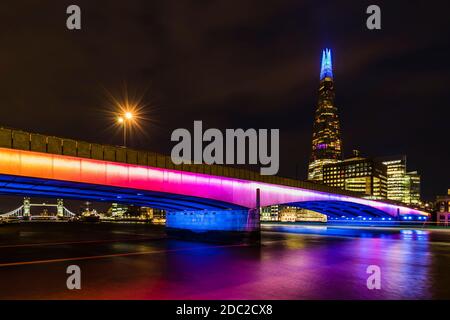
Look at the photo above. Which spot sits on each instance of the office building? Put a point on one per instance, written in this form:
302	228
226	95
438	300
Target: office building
402	186
358	174
443	209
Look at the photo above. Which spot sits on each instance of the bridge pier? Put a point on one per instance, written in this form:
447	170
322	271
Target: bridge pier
235	226
224	226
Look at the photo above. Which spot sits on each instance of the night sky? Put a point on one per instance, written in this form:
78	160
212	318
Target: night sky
234	64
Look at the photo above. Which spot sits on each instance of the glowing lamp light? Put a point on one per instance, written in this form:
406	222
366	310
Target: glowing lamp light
128	115
120	120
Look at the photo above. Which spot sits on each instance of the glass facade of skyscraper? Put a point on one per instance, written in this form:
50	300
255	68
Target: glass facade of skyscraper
402	186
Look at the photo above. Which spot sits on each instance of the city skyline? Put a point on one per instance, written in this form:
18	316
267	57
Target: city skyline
326	134
381	113
185	152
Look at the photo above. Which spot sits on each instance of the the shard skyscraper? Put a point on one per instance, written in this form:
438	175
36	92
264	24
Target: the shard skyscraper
326	140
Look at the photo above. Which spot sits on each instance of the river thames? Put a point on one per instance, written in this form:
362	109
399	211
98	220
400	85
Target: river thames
138	261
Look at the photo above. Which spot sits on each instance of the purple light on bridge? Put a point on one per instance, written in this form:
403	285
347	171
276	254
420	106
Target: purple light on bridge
229	190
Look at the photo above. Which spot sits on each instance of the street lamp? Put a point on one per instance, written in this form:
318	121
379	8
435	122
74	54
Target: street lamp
123	120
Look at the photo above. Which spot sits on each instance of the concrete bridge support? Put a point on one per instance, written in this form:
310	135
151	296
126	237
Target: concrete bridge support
215	225
227	226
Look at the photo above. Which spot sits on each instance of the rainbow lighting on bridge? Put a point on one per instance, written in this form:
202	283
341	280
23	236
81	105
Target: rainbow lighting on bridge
34	173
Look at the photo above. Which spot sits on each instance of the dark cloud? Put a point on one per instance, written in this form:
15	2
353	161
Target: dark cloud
244	63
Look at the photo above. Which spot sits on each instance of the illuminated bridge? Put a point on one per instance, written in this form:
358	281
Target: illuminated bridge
196	197
24	211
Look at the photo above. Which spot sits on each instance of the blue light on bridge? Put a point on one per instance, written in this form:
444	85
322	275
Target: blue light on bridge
413	218
204	220
368	219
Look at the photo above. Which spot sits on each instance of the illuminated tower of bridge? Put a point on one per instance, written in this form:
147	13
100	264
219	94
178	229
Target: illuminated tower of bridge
60	207
26	207
326	140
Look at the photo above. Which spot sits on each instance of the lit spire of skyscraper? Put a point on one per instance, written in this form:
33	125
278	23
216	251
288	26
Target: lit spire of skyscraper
327	66
326	140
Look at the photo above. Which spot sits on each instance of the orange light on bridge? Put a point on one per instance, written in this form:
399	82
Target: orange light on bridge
239	192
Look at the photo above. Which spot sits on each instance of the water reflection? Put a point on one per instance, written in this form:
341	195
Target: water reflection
293	262
302	263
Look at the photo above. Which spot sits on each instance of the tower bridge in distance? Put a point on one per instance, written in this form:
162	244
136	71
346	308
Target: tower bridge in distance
197	198
24	211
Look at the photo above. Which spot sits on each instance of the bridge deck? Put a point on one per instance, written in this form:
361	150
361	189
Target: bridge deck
28	155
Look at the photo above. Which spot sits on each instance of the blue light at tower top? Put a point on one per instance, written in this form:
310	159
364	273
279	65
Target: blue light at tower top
327	66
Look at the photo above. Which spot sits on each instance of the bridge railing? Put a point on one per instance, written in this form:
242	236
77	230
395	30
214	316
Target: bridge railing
68	213
16	212
22	140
